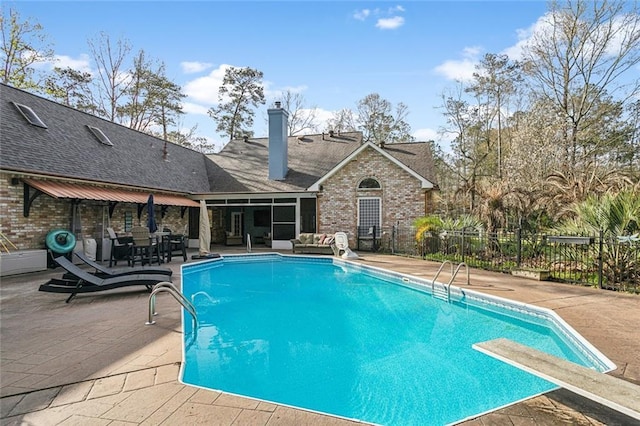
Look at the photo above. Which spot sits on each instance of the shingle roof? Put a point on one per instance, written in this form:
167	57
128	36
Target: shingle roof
244	166
68	148
415	155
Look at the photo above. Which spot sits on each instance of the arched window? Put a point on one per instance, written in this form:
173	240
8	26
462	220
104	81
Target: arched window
369	183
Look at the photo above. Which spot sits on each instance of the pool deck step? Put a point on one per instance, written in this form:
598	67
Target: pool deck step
610	391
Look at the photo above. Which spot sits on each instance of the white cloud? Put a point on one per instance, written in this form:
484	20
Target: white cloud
472	52
205	89
544	25
423	135
387	19
390	23
191	108
322	118
462	69
361	15
541	26
191	67
82	64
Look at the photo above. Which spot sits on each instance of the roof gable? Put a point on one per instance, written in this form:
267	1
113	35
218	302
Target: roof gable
424	182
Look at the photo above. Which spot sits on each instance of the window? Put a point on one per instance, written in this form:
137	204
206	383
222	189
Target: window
29	115
369	216
284	222
284	200
99	134
369	183
262	218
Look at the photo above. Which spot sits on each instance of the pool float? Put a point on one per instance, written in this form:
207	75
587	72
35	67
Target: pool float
60	241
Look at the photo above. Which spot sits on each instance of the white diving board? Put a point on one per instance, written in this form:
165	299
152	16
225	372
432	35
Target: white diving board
610	391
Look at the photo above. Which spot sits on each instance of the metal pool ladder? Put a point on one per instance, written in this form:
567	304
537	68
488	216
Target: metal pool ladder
444	292
167	287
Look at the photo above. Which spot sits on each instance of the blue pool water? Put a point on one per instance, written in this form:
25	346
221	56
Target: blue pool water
357	343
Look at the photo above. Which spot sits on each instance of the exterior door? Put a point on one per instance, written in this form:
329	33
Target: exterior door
236	224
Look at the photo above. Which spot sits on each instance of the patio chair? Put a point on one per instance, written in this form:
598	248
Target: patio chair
118	247
175	243
87	282
105	272
145	248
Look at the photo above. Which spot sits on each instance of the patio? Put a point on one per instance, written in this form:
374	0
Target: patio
94	361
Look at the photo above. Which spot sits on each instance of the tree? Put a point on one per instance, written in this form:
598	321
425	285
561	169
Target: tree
342	121
471	144
380	124
583	53
23	45
152	99
495	79
301	119
565	189
630	155
70	87
241	91
112	80
189	139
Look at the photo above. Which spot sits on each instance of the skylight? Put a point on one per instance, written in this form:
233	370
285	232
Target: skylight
29	115
99	134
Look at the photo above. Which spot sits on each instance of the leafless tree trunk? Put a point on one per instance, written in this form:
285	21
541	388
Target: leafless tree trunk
112	79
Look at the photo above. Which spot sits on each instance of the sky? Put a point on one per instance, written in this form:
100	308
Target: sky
333	53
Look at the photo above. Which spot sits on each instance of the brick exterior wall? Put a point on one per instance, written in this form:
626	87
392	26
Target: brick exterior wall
48	213
402	198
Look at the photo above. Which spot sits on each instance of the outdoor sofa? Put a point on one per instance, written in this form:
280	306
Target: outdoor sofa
313	243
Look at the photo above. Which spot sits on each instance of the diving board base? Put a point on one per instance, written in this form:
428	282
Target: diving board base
609	391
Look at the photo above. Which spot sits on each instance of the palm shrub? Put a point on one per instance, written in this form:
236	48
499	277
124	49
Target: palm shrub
427	229
452	227
618	217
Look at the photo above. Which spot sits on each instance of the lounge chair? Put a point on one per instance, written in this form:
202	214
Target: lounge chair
105	272
86	282
341	243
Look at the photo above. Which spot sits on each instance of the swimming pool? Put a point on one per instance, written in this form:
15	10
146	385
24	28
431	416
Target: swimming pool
363	343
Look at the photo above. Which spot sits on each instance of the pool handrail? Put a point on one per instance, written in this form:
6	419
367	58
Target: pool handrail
438	273
453	277
168	287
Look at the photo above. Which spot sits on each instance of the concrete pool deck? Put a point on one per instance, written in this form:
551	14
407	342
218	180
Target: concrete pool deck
94	361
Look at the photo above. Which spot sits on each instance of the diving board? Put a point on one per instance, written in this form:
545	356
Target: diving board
610	391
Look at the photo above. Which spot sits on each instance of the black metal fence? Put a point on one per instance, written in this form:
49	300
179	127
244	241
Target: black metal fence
596	260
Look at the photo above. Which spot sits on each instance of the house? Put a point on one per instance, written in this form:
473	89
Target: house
63	168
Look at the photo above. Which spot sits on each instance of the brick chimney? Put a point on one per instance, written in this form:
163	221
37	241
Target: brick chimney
278	146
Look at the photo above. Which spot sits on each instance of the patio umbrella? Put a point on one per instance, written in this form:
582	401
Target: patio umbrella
151	217
205	229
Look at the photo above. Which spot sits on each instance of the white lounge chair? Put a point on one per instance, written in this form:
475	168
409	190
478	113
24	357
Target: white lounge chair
342	245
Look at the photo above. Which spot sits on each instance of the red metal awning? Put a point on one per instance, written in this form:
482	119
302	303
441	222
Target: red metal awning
88	192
